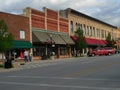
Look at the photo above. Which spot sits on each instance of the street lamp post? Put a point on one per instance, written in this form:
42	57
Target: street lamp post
51	48
50	45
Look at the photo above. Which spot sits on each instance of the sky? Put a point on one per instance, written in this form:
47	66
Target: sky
104	10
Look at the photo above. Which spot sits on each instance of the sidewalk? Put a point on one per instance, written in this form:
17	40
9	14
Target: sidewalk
17	65
20	64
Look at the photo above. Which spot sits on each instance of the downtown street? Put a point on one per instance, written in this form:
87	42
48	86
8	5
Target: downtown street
83	73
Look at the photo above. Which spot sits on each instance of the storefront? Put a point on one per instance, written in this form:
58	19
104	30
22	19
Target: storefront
91	43
18	49
46	43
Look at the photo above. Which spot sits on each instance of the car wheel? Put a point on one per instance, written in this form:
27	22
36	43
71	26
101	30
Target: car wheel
109	54
93	54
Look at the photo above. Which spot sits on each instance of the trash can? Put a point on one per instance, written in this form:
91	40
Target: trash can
52	57
8	64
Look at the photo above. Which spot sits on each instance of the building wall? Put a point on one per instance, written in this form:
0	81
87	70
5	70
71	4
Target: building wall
118	33
99	31
38	19
47	20
63	25
52	20
16	23
91	28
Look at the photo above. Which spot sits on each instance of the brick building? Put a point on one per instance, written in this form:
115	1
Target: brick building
94	30
49	33
19	27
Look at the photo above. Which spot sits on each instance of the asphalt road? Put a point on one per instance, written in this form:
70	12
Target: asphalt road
86	73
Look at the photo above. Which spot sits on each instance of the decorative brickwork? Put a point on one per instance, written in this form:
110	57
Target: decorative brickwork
49	20
64	25
38	19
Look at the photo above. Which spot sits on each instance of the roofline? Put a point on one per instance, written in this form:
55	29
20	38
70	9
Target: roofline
95	19
20	15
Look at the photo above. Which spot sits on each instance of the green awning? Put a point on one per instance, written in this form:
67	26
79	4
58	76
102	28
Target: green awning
21	44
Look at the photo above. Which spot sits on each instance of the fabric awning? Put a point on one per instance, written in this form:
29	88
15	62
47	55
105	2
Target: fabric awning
74	38
67	39
56	38
40	36
45	36
92	41
21	44
117	43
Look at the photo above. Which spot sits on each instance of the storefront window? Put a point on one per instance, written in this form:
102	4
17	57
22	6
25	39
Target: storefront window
39	51
63	50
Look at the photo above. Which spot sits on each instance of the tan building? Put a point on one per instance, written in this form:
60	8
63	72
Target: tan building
94	30
118	38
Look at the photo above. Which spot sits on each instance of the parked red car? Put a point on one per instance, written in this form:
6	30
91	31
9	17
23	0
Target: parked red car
101	51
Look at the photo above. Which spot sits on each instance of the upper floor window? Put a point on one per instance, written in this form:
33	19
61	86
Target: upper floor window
90	30
105	34
71	26
85	30
93	31
77	26
22	34
98	33
102	33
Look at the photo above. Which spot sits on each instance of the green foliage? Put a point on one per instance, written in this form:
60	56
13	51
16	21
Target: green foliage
110	41
5	37
81	42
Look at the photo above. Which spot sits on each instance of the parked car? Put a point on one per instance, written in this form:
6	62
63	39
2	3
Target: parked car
109	50
101	51
117	51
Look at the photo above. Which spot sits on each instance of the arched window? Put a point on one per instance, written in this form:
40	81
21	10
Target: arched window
71	26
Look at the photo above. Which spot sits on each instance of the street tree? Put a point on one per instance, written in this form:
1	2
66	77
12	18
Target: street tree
110	41
5	38
80	42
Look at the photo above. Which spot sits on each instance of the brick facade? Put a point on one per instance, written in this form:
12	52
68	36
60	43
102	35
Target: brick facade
15	24
48	20
64	25
38	19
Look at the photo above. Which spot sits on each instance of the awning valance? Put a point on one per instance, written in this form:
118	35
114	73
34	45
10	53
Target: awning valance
21	44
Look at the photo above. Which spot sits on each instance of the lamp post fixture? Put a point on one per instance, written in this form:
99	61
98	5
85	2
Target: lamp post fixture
51	48
50	45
